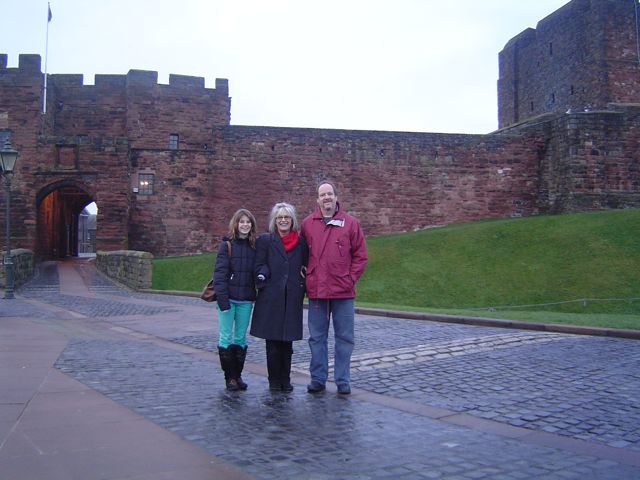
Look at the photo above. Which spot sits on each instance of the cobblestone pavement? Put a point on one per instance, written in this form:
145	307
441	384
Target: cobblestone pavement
431	400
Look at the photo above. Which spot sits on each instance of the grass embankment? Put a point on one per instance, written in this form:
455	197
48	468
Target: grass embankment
577	268
187	274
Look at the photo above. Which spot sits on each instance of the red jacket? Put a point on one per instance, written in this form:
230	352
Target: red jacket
337	255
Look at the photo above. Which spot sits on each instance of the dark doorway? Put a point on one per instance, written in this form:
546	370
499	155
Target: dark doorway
59	209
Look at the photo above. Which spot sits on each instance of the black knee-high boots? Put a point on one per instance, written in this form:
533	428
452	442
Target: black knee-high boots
232	362
279	365
240	354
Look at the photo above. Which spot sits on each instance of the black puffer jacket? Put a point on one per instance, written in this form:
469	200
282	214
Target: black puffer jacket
234	279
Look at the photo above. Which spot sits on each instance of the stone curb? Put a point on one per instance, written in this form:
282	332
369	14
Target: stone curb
500	323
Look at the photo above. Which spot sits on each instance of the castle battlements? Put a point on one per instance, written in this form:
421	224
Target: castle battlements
31	65
27	64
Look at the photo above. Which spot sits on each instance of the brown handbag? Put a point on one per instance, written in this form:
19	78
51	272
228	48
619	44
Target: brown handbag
208	292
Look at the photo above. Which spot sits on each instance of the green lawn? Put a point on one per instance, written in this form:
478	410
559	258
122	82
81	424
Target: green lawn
576	268
188	274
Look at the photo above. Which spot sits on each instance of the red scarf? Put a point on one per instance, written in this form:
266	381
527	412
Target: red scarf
290	240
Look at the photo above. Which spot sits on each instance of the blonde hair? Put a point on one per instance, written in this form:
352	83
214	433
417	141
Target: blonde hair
290	210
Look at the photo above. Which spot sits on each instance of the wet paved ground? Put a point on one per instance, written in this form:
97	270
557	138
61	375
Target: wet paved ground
431	400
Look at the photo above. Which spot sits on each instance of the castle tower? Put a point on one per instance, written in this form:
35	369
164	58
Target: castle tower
87	145
580	58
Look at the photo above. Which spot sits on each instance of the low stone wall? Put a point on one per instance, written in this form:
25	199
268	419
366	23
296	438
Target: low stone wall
129	267
23	262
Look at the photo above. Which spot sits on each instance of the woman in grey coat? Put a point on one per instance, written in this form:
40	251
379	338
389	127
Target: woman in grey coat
281	259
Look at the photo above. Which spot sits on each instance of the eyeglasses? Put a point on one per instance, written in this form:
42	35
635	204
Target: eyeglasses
283	218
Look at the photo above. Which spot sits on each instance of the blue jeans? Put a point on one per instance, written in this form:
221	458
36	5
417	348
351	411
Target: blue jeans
234	323
341	310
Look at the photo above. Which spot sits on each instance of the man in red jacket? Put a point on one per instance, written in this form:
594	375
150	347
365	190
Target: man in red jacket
337	259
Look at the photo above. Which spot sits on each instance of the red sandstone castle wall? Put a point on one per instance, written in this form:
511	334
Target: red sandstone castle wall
590	160
391	181
583	56
20	107
596	162
184	107
87	111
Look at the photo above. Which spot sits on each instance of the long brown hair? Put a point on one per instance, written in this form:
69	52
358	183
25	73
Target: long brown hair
233	226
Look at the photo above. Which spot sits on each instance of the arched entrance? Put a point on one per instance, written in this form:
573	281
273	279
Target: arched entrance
59	217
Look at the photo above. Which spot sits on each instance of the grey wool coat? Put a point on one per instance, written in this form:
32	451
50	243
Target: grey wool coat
277	314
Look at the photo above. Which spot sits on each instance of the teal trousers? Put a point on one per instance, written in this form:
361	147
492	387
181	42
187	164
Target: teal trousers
234	324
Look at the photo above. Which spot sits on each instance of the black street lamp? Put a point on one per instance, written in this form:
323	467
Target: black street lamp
8	157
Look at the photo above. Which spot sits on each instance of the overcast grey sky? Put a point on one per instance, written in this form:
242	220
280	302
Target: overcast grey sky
401	65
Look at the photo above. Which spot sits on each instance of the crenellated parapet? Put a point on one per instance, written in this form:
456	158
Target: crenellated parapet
134	105
31	64
27	64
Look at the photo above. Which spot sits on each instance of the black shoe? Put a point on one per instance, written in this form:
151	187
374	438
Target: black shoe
275	386
344	389
316	387
241	384
232	385
287	387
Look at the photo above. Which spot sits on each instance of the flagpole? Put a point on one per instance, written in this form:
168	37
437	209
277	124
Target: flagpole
46	57
635	4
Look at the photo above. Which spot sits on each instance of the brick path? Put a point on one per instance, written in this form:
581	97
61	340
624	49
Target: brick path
430	400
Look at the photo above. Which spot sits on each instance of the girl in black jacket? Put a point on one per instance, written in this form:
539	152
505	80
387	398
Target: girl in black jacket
281	257
236	292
